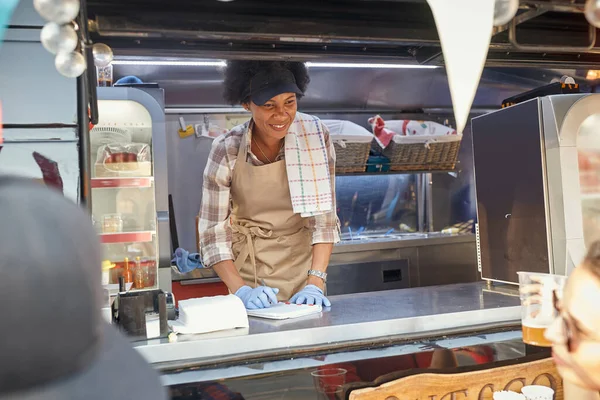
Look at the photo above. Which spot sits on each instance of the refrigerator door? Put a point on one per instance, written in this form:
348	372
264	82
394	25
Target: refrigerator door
510	186
537	173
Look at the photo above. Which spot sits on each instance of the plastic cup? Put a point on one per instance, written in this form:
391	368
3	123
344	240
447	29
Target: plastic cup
329	382
508	395
536	392
537	304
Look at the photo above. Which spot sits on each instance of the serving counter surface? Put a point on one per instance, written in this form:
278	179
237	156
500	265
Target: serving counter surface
392	315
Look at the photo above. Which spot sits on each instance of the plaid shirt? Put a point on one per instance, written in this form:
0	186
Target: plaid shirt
214	226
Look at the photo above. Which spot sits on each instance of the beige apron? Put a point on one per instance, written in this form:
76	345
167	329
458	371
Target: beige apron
270	241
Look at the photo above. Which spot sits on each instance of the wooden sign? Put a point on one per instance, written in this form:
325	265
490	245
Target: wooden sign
477	385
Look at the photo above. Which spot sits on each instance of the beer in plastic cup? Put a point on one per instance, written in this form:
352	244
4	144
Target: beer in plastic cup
537	305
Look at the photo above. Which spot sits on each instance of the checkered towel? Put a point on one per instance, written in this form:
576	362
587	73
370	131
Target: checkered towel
307	166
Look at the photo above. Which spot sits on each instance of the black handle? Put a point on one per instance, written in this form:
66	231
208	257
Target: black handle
392	275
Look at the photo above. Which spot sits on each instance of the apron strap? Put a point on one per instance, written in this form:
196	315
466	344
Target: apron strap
250	233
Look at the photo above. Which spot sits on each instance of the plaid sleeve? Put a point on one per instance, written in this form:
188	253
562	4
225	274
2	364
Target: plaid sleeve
213	226
326	227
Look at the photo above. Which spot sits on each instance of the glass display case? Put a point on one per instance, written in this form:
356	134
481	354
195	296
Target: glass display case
127	192
376	204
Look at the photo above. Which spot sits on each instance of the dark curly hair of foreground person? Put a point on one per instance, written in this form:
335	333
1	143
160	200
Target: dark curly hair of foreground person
239	73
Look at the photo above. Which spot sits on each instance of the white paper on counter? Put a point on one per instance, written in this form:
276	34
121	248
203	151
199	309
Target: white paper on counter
285	311
465	30
210	314
181	329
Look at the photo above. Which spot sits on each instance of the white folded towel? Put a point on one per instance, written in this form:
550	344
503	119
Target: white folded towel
210	314
307	166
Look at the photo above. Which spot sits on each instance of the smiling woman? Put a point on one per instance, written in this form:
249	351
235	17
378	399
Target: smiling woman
268	222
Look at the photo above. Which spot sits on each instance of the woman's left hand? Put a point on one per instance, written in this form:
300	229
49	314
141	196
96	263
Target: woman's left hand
311	294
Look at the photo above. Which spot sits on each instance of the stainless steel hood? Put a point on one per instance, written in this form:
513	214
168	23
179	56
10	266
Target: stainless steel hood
347	89
546	33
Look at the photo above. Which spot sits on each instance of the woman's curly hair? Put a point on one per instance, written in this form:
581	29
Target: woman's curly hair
238	74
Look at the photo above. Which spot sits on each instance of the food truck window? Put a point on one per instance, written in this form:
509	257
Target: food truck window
367	205
588	149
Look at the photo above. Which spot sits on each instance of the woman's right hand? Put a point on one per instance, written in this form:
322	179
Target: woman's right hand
260	297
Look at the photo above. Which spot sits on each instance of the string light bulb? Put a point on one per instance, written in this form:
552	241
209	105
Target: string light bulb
70	64
58	38
103	55
505	11
58	11
592	12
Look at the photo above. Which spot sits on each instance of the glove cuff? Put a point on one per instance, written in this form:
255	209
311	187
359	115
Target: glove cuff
242	290
315	287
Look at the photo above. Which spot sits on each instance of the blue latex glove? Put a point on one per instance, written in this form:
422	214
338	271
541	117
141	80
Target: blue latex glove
185	261
260	297
311	295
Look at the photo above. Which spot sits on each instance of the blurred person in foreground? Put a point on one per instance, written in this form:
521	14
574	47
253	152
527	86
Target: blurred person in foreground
575	334
54	343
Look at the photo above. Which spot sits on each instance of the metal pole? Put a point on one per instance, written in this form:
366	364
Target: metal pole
421	201
85	167
87	110
428	178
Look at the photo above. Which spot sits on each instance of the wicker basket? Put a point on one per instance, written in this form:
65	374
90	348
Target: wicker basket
351	157
416	145
423	156
352	145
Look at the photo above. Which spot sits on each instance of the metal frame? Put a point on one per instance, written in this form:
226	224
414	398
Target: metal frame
512	37
562	118
159	150
87	110
230	369
85	163
428	177
228	31
452	308
539	132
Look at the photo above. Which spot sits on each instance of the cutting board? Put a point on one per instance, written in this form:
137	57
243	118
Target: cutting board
285	311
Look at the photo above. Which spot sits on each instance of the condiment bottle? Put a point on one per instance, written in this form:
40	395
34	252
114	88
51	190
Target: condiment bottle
128	275
138	274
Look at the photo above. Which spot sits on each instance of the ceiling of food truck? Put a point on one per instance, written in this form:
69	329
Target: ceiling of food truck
198	84
359	29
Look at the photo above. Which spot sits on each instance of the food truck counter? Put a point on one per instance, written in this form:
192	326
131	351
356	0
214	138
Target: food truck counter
354	320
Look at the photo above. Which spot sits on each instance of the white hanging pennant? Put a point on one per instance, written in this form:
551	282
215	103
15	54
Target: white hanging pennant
465	31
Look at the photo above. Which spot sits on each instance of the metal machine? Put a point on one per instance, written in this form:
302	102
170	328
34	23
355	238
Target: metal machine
535	176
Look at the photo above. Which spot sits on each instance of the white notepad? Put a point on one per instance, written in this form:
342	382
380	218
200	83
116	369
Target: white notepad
285	311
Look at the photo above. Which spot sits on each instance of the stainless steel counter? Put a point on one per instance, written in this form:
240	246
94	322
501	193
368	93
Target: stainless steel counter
388	315
412	240
359	249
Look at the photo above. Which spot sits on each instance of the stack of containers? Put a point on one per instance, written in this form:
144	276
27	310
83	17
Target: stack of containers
352	144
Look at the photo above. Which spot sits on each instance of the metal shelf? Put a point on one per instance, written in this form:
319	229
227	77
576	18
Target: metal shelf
434	171
129	182
127	237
